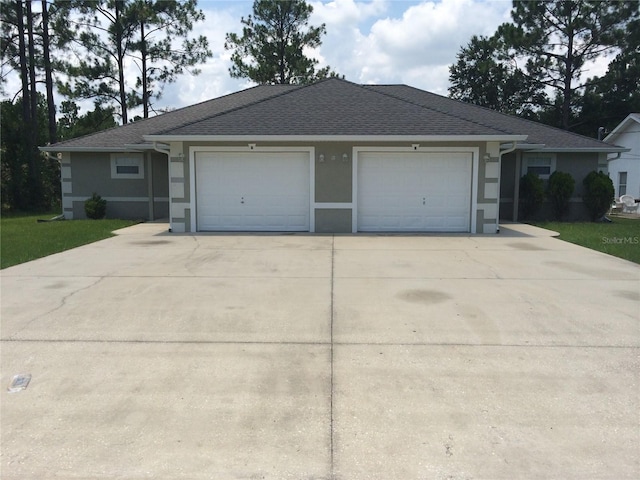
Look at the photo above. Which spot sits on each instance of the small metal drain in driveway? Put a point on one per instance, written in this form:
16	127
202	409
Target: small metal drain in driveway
19	382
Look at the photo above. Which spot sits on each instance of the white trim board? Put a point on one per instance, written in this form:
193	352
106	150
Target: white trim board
305	139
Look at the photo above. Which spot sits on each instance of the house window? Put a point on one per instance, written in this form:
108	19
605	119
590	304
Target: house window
542	164
622	183
127	166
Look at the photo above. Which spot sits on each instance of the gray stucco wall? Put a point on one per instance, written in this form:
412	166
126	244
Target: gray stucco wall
334	177
160	186
84	173
333	220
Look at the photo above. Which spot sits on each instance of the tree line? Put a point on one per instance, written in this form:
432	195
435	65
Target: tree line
535	65
532	66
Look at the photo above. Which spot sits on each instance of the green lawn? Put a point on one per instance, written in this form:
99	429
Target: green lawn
620	238
23	239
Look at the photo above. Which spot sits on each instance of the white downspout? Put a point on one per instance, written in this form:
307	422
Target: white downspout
164	149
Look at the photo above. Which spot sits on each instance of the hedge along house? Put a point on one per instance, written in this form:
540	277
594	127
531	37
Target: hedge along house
332	156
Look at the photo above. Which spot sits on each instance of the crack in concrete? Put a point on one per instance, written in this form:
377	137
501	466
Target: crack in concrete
489	266
62	304
190	262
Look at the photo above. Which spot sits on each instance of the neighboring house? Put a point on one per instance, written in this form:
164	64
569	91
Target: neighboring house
332	156
624	169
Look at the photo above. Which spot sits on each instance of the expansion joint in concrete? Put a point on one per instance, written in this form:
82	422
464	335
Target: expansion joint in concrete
331	350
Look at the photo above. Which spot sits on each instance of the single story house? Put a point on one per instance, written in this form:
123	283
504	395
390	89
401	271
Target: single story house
332	156
624	169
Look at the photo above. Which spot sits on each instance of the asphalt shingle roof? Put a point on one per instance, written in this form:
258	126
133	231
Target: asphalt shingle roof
331	107
538	133
132	133
334	107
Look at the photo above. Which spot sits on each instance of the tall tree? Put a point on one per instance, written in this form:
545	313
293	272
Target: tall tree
24	67
485	75
18	50
48	72
270	50
557	38
145	31
159	58
33	39
608	99
30	37
103	39
34	172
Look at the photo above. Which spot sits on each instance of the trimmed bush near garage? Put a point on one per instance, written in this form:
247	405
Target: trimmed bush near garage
598	194
95	207
561	187
531	194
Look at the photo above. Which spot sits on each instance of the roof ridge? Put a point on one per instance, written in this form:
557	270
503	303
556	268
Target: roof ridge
372	88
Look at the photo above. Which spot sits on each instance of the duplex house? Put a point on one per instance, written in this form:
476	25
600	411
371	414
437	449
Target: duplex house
332	156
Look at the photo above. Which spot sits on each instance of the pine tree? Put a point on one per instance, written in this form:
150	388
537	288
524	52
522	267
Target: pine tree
146	31
270	49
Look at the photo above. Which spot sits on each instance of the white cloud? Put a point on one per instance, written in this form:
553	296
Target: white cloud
346	13
214	79
415	46
376	41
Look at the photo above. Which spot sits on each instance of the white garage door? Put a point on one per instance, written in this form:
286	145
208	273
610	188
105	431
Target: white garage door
414	191
257	191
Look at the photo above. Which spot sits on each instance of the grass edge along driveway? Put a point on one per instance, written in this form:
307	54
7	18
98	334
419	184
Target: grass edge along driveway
23	238
620	238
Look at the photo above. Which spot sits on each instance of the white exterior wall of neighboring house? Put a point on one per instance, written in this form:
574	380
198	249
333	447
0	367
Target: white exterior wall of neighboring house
625	171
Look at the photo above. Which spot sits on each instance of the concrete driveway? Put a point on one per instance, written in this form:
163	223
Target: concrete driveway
167	356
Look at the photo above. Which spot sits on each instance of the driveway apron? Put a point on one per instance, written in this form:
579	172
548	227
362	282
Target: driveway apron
159	355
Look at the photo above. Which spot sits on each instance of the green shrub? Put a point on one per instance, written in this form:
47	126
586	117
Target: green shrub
598	194
531	194
560	188
95	207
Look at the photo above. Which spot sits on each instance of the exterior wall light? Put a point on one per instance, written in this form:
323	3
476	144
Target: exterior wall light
321	158
345	157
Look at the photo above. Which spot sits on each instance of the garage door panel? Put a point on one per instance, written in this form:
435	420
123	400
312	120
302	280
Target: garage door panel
256	191
435	222
414	191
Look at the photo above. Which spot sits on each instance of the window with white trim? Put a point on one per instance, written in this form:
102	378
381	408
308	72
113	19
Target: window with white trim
622	183
127	165
542	164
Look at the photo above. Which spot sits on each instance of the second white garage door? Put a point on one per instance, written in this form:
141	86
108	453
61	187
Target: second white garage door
414	191
252	191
